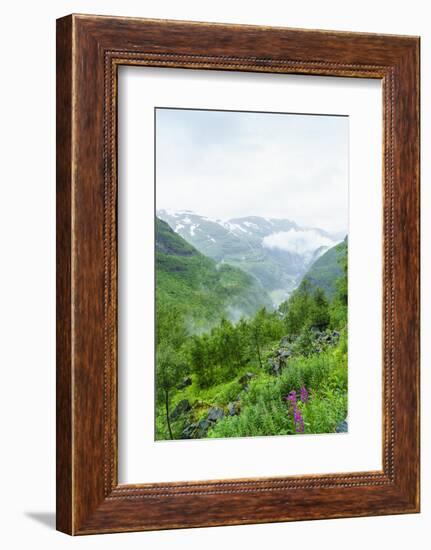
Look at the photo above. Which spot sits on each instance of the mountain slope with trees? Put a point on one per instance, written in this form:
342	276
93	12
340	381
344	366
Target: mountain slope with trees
197	287
275	373
246	243
326	270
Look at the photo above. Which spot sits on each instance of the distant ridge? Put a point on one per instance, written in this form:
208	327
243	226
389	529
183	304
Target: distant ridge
325	270
193	283
276	252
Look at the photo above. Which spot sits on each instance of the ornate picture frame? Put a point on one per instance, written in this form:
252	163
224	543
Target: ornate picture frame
89	51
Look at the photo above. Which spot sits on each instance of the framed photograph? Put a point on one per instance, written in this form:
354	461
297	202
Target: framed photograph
237	274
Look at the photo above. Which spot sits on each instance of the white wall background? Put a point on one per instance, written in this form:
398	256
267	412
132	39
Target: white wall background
27	280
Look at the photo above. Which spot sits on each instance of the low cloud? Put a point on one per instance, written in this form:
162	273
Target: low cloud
232	164
297	240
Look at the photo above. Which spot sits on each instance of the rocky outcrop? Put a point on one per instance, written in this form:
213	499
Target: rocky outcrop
245	380
234	408
199	429
187	381
279	361
214	414
342	427
319	341
182	407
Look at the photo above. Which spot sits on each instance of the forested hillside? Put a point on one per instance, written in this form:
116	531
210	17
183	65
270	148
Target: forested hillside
326	270
276	252
196	287
272	373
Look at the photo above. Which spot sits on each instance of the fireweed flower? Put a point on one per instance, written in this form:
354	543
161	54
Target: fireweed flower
297	416
299	421
304	394
292	398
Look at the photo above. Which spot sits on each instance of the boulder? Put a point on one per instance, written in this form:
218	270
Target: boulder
182	408
188	431
245	378
214	414
197	430
202	428
187	381
342	427
234	408
278	363
284	342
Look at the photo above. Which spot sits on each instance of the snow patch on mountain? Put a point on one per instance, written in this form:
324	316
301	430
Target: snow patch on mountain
233	227
298	241
276	251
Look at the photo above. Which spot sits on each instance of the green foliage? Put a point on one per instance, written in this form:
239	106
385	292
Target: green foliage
170	366
203	360
168	243
321	415
297	309
264	410
319	313
326	270
196	287
338	309
263	329
195	338
306	308
170	326
264	417
222	353
303	344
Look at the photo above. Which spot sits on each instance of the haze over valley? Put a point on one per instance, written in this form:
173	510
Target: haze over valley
275	252
251	273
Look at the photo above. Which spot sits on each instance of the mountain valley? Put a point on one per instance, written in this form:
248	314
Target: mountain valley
276	252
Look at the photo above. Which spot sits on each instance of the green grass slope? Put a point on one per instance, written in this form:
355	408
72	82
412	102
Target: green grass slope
325	271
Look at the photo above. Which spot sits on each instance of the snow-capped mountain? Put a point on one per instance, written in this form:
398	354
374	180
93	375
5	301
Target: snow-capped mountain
277	252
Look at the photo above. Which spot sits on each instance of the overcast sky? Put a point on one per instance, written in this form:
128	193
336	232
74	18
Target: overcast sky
231	164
